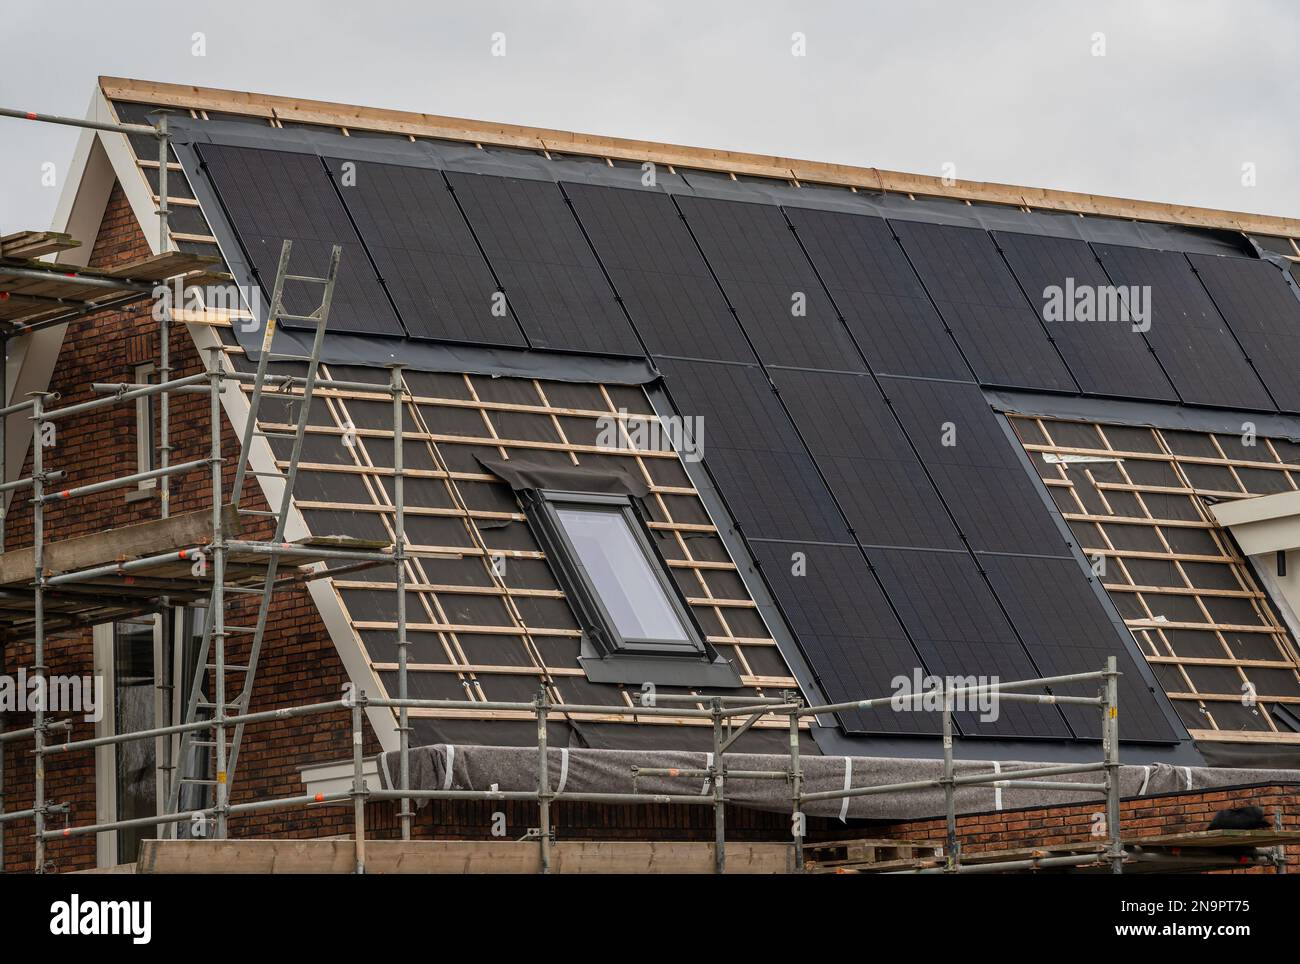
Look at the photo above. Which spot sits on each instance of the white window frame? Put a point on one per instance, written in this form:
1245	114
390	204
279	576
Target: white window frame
105	663
146	454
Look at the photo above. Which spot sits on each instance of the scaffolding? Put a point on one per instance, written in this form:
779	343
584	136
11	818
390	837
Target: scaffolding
203	556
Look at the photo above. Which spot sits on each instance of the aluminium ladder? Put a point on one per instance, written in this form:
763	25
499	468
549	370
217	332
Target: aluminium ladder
218	707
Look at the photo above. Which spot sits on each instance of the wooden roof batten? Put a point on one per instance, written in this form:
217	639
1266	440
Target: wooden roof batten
276	109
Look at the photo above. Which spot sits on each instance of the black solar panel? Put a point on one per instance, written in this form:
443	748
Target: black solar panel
999	333
956	624
1190	337
425	253
1263	311
771	285
979	474
659	273
272	196
872	470
878	293
536	249
750	446
1105	355
847	631
1067	631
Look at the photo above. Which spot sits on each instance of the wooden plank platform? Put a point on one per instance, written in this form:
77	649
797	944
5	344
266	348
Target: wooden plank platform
35	244
120	595
58	289
454	857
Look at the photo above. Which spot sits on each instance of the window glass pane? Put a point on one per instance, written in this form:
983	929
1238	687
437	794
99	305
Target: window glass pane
617	565
134	706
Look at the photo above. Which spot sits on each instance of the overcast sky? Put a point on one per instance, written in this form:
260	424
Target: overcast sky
1181	96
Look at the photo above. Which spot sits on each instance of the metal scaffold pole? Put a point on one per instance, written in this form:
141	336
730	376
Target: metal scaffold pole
796	783
164	326
358	784
1110	749
719	791
543	706
217	604
399	568
949	787
38	651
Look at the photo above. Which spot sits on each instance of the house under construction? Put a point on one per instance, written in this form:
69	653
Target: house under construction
431	494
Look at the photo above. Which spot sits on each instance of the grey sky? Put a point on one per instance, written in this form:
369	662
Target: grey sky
1186	93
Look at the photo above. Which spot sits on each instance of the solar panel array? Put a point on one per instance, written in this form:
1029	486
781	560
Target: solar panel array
273	196
880	296
550	274
1106	356
998	331
838	361
1264	315
1190	337
424	251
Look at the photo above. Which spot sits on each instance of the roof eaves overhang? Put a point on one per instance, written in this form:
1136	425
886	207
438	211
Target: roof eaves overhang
1267	523
30	359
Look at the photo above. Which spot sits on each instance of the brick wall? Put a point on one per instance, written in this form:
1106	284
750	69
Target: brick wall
1172	813
299	663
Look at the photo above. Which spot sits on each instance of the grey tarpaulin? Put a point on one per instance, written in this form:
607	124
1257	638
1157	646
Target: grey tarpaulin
522	474
444	767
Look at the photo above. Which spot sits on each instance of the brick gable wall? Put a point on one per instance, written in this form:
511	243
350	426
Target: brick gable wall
299	663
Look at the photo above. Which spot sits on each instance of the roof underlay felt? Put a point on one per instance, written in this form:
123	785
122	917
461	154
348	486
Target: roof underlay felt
848	353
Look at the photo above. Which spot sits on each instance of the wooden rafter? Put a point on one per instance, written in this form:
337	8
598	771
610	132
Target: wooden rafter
1226	578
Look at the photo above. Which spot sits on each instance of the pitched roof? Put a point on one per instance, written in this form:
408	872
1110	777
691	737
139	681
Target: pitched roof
855	355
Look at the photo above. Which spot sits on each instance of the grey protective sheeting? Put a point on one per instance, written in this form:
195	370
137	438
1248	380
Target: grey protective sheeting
445	767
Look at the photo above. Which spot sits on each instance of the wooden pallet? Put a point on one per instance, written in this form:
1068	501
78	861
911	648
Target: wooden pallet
1191	852
872	855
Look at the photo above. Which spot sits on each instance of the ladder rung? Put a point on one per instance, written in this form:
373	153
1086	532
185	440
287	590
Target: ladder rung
276	356
273	515
250	590
231	667
261	434
207	743
297	318
197	782
240	629
205	705
305	277
266	475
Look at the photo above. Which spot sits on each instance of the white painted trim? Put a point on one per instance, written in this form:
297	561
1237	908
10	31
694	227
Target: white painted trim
116	160
80	212
347	643
145	453
105	756
337	777
1267	523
